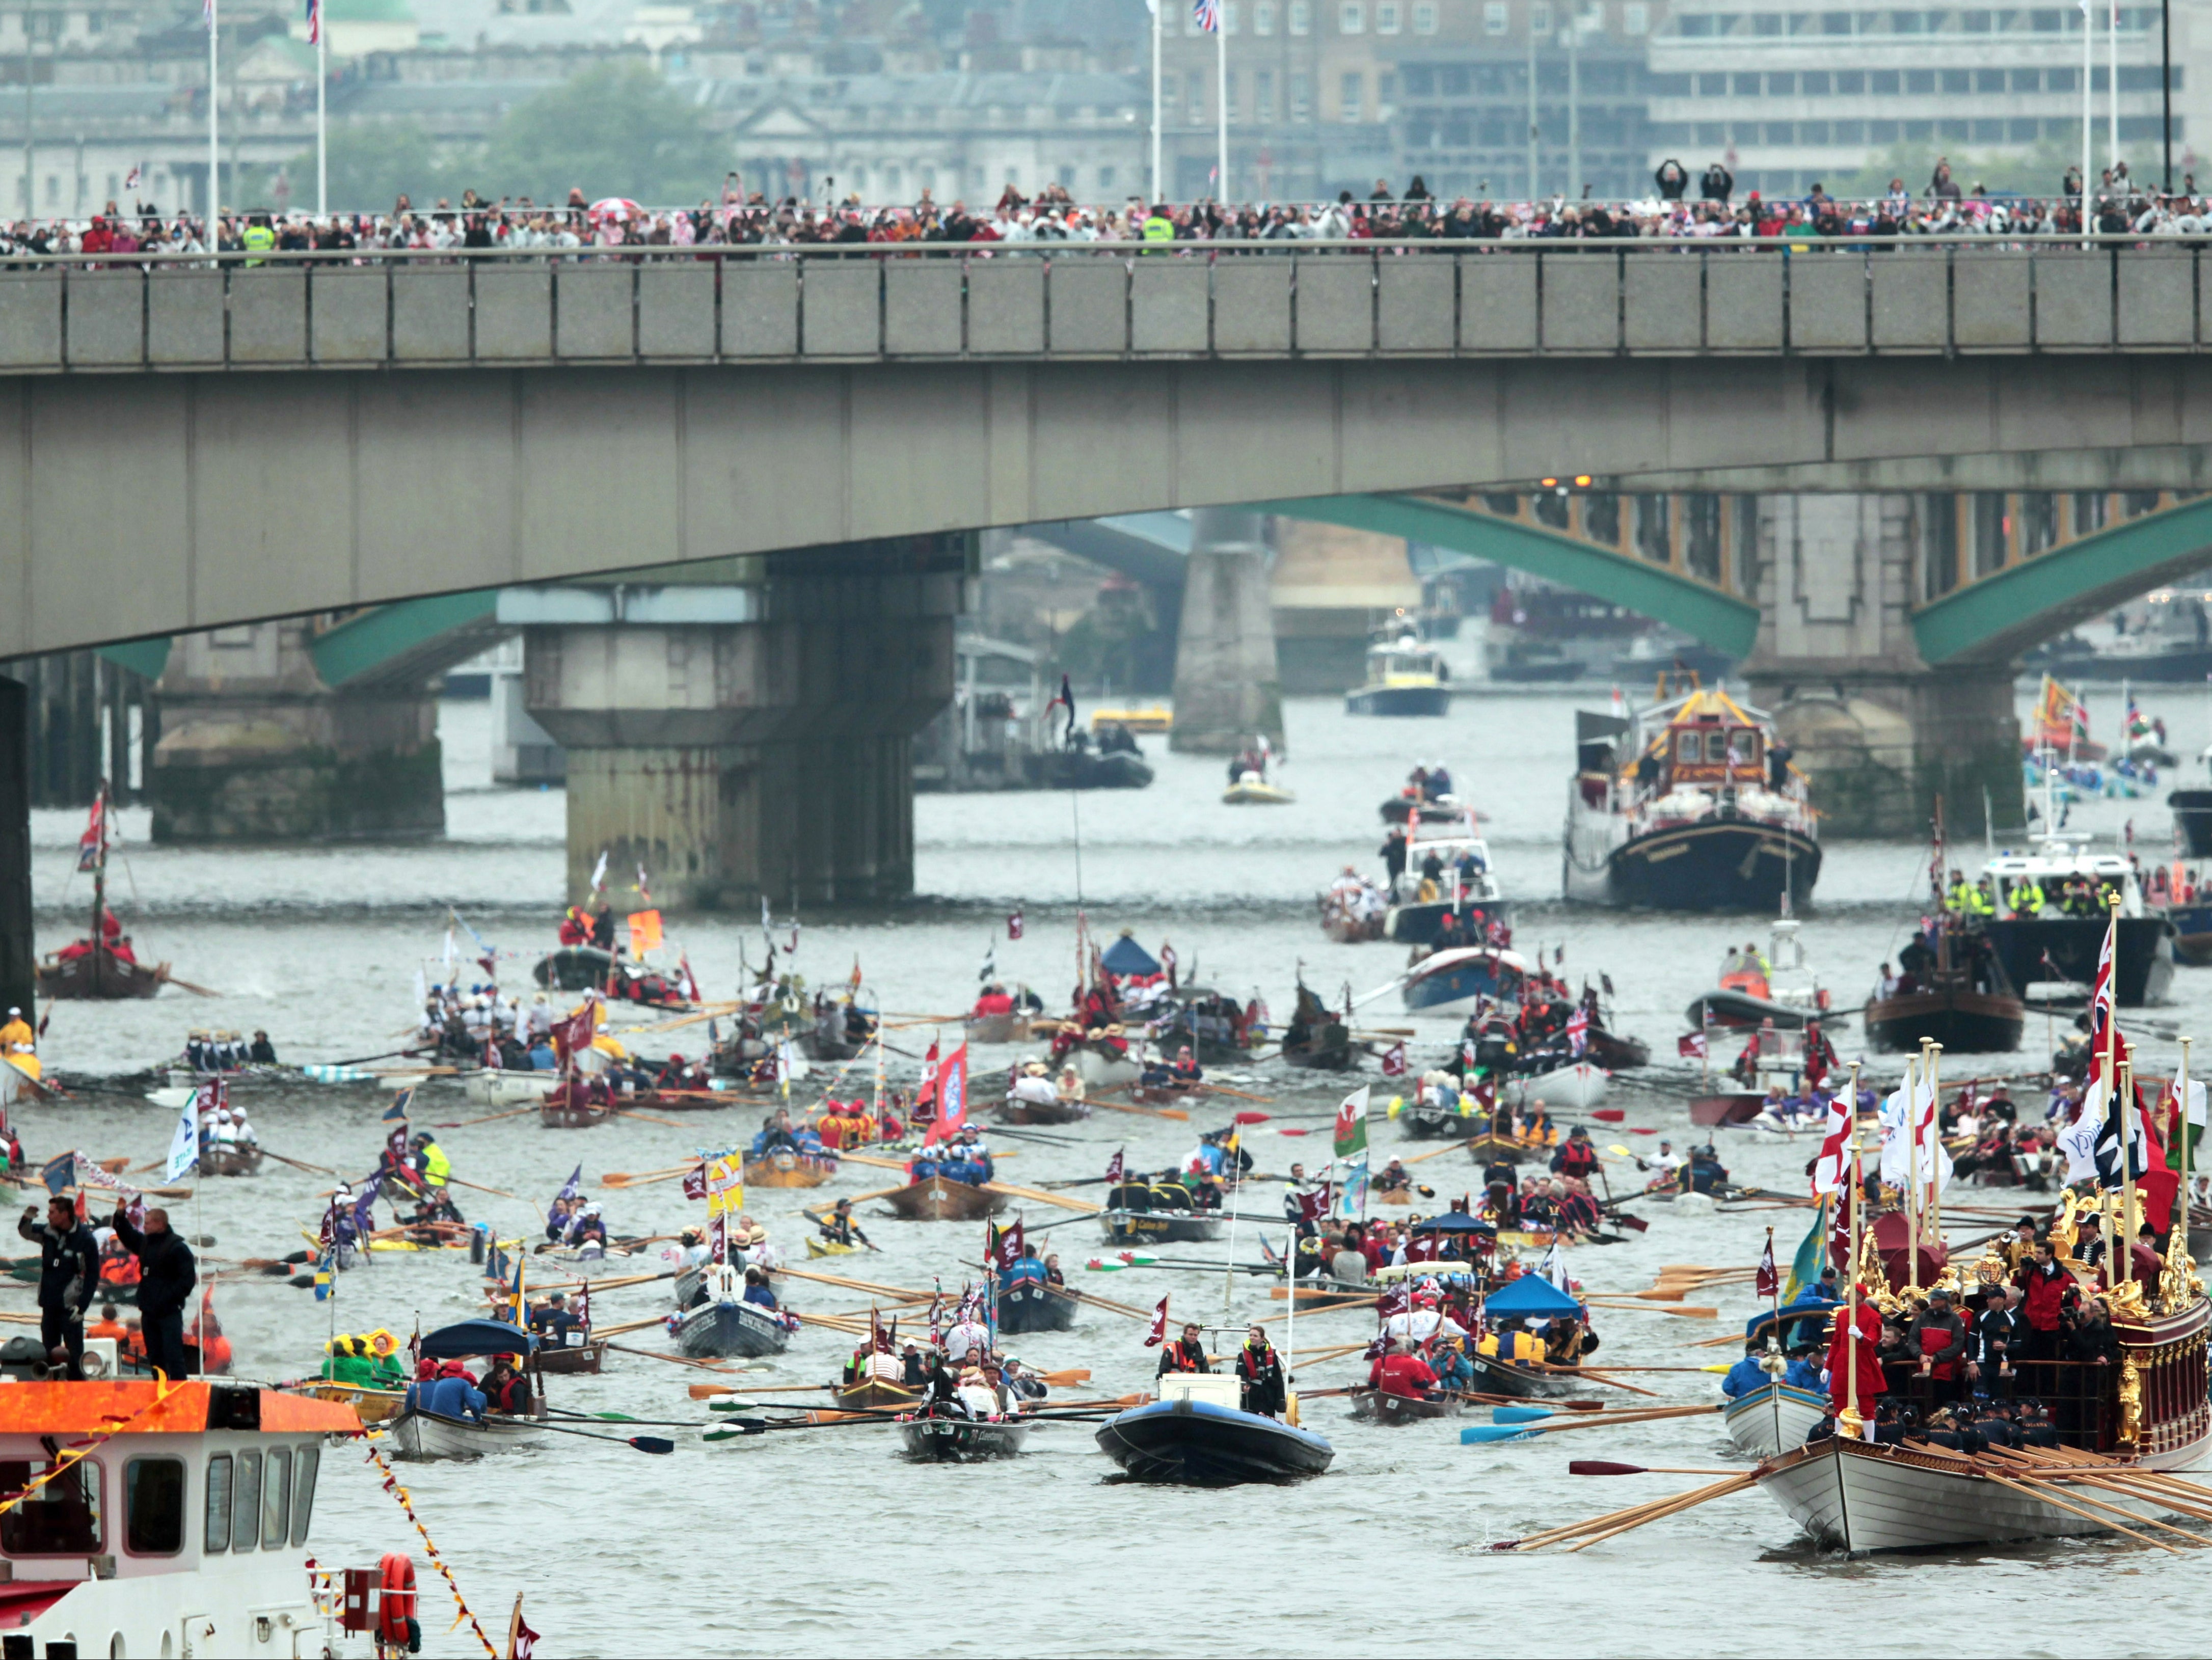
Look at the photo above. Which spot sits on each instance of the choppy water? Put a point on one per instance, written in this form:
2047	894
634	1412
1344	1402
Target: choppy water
825	1542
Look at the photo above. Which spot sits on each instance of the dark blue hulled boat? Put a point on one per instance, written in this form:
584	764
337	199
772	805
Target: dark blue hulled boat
1028	1302
1201	1442
1449	981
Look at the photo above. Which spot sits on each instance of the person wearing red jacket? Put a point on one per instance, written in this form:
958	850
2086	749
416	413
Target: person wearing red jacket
1863	1367
1402	1371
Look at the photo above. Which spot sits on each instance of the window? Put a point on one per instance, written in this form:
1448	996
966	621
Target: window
1263	17
1687	747
1990	528
1105	188
1386	17
1882	83
1716	746
1351	17
218	1504
1815	83
1350	92
277	1500
1782	84
1957	81
1539	17
153	1506
1229	91
2039	521
1195	110
1766	23
1301	16
62	1518
2089	512
1835	22
1696	25
1635	18
1654	535
1263	95
1301	90
1850	133
246	1503
1701	530
309	1460
1939	546
1228	18
1425	18
1386	95
1851	83
1494	17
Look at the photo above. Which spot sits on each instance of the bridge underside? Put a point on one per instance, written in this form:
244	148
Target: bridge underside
315	491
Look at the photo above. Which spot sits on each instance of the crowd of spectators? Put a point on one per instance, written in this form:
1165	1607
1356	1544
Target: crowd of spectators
1677	208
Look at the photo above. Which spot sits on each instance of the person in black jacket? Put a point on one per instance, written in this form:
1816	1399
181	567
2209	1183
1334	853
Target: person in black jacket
166	1277
1672	178
1719	184
69	1272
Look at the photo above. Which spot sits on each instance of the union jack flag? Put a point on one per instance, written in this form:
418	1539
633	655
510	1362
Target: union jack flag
314	35
1207	13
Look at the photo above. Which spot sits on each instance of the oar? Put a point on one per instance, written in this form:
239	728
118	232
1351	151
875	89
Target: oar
312	1169
1042	1198
467	1123
477	1187
654	1354
708	1391
625	1112
197	991
1177	1113
1605	1466
654	1443
615	1178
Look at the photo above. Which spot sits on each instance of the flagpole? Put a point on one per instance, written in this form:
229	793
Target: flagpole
322	115
1221	94
215	124
1911	1177
1932	1058
2177	1242
1157	5
2088	61
2112	81
2125	1263
1850	1424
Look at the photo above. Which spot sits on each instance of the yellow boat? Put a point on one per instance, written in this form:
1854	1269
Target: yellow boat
789	1169
1153	718
820	1247
1252	791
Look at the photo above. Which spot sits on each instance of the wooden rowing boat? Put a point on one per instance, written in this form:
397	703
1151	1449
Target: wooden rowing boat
875	1393
940	1199
231	1158
1027	1305
1381	1406
587	1357
419	1436
560	1116
785	1168
715	1329
1014	1110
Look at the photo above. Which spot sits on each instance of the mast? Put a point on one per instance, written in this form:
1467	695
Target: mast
1911	1175
1931	1060
1850	1424
2124	1263
2176	1239
98	889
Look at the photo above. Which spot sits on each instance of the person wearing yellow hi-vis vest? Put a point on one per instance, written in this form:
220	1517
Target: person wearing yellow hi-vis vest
260	237
1158	227
432	1160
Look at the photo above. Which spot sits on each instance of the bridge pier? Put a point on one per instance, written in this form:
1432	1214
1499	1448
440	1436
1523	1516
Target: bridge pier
1227	687
750	738
1881	733
255	747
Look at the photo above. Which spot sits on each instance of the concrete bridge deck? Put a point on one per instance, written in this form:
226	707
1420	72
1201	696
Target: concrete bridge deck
1086	301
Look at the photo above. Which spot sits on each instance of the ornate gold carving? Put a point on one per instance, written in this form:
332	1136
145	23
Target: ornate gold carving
2130	1402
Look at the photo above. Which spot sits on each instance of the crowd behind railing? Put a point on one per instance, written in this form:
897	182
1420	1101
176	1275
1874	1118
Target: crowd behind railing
1678	208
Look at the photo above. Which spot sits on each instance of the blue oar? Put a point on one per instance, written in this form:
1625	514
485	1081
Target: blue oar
1519	1414
1475	1433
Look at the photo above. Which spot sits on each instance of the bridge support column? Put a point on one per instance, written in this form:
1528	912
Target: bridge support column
1881	733
1227	688
18	982
254	747
748	741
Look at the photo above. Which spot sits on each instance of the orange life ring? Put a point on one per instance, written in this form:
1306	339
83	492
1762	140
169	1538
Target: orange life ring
395	1606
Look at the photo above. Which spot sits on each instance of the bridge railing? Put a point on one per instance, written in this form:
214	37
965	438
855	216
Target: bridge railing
925	302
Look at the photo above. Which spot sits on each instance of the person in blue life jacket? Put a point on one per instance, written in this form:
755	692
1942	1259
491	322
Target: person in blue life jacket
1805	1371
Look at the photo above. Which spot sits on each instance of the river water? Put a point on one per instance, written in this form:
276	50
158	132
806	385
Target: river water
824	1542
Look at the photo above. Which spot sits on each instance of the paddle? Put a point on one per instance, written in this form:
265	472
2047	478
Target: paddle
653	1444
1605	1466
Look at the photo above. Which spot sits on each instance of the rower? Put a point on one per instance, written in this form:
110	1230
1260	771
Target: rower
430	1159
839	1228
1753	1372
1394	1177
554	1319
1034	1085
1577	1157
1185	1070
17	1031
1022	1384
1402	1373
756	1290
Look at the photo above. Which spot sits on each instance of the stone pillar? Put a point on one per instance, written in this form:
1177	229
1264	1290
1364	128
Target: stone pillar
1227	690
18	982
751	740
1881	733
254	747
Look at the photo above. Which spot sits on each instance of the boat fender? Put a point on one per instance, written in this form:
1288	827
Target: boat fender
395	1605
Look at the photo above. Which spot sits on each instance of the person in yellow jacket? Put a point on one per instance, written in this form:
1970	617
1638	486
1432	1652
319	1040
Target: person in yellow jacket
1159	227
437	1168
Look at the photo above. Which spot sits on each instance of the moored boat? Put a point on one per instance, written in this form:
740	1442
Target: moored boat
1196	1435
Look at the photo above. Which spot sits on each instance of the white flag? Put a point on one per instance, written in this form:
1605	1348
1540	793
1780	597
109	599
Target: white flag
2078	1140
1553	1267
2196	1102
1832	1167
185	1144
600	872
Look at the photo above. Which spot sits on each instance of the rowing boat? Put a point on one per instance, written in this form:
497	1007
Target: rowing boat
1154	1227
231	1158
1773	1418
785	1168
875	1394
1014	1110
940	1199
417	1435
587	1356
960	1440
1381	1406
1027	1305
561	1116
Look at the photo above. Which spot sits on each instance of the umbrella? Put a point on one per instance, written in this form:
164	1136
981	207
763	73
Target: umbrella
615	207
1455	1221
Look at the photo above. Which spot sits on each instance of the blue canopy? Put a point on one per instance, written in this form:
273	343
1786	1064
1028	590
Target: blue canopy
1453	1221
1125	956
457	1343
1531	1297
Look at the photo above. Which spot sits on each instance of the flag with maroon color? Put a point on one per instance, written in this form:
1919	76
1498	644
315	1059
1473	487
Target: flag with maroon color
1691	1046
1394	1060
1113	1169
1767	1283
1158	1334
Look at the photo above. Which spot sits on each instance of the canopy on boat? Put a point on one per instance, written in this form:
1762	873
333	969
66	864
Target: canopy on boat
1453	1221
1531	1297
468	1337
1125	956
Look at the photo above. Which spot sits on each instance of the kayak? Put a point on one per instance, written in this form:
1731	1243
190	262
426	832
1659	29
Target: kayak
829	1247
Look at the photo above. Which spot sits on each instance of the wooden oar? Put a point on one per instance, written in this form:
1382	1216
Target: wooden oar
901	1292
469	1123
2101	1522
478	1187
679	1359
625	1112
1177	1113
627	1326
1680	1311
1081	1205
615	1178
186	985
1605	1466
312	1169
1103	1303
1438	1152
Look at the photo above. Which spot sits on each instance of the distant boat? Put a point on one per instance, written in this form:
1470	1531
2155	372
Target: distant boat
100	966
1404	678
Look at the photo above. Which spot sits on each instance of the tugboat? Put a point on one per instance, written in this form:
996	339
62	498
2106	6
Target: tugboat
2062	937
1448	874
1404	676
1690	805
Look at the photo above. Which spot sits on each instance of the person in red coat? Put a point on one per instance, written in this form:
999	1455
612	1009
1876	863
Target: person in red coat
1402	1371
1870	1382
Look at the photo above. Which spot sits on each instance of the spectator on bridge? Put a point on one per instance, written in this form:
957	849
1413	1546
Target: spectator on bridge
1672	178
1719	184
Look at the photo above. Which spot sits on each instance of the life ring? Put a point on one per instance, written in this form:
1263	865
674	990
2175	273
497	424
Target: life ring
395	1606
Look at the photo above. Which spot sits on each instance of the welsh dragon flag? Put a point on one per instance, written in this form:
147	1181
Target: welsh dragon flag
1352	1125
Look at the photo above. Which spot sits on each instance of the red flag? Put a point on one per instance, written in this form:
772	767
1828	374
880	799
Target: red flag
1158	1335
1578	1029
2160	1180
1006	1246
1768	1283
1113	1169
1014	926
1691	1046
1394	1060
951	1091
695	1183
525	1640
92	846
575	1034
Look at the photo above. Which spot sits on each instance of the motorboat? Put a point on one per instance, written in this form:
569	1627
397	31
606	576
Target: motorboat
1688	804
1779	985
1252	790
1452	983
1198	1434
1447	873
1404	676
2054	943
